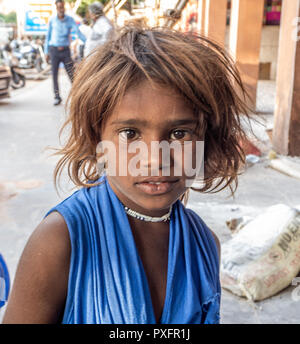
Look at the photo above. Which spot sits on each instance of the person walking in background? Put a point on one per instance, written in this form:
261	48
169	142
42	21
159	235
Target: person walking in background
86	30
102	28
85	27
57	45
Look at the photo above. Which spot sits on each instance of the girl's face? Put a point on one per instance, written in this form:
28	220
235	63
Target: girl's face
146	116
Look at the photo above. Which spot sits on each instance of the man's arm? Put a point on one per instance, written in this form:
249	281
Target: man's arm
102	27
48	38
79	34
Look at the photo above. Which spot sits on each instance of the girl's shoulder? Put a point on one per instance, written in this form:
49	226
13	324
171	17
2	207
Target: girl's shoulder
78	200
82	207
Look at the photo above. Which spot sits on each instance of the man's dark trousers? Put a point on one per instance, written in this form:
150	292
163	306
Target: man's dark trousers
58	55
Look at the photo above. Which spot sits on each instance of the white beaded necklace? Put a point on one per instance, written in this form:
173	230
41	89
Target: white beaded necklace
147	218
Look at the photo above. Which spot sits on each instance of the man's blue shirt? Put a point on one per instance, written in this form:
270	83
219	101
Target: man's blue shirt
59	32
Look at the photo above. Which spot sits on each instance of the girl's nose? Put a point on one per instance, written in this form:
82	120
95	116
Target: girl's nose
158	160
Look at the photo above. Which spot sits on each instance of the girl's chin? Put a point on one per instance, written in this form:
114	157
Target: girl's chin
156	203
154	207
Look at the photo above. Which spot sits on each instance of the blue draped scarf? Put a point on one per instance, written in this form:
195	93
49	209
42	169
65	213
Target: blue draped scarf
4	282
107	281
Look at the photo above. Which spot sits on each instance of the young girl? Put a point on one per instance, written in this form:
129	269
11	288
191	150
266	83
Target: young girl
123	248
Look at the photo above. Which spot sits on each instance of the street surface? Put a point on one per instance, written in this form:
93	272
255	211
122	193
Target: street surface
29	123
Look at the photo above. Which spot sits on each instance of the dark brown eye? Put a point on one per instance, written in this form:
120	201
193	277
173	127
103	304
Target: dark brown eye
128	134
179	134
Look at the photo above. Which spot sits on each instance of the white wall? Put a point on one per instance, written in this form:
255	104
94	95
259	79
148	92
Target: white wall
268	48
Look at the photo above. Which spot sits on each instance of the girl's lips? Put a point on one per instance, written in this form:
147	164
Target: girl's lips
156	189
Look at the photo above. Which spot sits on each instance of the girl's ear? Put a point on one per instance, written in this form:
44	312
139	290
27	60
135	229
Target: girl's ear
101	164
101	160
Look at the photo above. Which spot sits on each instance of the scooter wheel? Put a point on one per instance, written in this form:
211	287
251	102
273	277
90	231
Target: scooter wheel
21	83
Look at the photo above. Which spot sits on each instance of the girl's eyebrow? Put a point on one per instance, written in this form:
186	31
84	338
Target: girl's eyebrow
131	121
182	121
140	122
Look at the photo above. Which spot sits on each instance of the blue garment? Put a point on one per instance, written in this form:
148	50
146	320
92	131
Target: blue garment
59	31
4	282
107	281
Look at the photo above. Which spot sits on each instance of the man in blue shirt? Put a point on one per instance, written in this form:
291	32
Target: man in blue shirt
57	45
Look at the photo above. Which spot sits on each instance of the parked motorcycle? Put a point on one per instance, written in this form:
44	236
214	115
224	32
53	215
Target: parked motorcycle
29	55
18	79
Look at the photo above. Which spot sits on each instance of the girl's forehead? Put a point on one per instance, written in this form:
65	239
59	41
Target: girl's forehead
145	89
154	102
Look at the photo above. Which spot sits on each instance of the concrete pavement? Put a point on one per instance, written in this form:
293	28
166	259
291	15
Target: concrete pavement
29	123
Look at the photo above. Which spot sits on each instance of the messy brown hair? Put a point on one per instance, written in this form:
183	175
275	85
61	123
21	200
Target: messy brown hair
197	68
